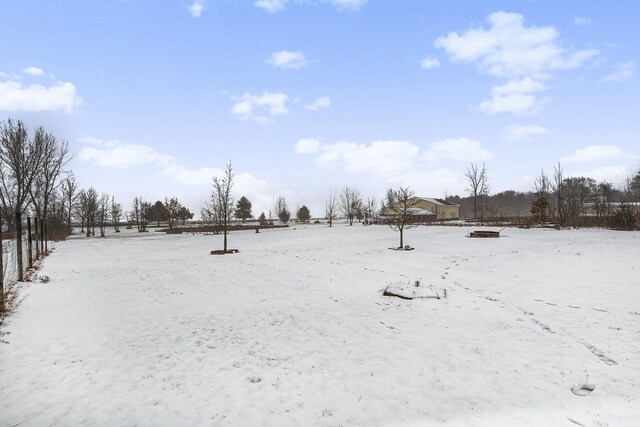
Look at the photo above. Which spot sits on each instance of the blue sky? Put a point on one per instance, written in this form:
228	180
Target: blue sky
308	96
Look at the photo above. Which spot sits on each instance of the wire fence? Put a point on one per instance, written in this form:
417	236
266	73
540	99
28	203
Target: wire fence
22	246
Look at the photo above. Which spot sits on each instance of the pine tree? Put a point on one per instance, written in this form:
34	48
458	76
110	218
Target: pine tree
539	208
284	215
262	219
243	209
303	214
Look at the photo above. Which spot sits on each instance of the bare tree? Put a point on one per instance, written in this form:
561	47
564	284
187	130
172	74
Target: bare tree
103	213
559	191
399	210
55	155
135	212
478	187
88	209
208	218
79	209
140	213
69	192
20	164
222	202
350	203
370	209
577	193
173	207
602	203
116	214
330	208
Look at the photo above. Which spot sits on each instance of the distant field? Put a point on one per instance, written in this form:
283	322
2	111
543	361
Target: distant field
293	330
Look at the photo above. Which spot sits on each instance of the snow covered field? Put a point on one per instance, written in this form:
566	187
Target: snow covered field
294	330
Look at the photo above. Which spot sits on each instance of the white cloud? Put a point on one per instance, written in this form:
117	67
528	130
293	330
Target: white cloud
196	8
123	156
393	161
382	158
615	174
509	49
516	103
520	54
518	132
428	172
114	154
525	85
307	146
622	72
33	71
287	60
581	20
514	97
273	6
319	104
270	6
594	153
429	63
432	182
61	96
347	4
458	149
260	108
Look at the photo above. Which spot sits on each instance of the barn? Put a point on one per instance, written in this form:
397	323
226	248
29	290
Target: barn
441	209
429	209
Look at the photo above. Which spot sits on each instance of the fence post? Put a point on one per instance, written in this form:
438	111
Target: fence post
41	237
29	242
19	245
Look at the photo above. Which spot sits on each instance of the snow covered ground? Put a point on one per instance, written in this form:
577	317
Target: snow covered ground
293	330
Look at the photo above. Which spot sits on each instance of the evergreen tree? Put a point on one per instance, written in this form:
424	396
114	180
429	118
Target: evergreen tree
303	214
158	213
243	209
284	215
262	219
539	209
184	214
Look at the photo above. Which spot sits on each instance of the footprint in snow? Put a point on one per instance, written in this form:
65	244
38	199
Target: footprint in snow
582	389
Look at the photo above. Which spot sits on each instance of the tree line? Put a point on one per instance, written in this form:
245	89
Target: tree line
566	200
34	180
